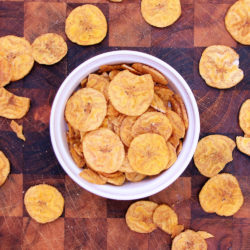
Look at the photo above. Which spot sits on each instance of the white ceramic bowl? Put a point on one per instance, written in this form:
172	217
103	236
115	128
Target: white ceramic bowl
128	191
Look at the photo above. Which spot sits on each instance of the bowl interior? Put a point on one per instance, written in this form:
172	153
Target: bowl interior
145	187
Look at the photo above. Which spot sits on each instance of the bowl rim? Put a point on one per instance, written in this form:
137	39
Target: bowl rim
96	189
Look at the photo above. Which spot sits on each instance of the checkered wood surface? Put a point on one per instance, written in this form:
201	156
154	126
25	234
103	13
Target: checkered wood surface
89	221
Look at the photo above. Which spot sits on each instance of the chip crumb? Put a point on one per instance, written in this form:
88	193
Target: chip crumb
18	129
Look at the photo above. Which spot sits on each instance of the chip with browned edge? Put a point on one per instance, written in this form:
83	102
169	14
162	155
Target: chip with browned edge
189	240
237	21
103	150
86	109
221	195
213	152
244	117
44	203
219	67
17	51
4	168
18	129
148	154
49	48
5	71
131	94
86	25
139	216
12	106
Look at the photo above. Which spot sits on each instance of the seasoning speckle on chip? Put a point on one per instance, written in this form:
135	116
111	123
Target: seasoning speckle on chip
213	152
219	67
12	106
49	49
17	51
131	94
221	195
86	25
44	203
139	216
18	129
160	13
86	109
103	150
4	168
237	21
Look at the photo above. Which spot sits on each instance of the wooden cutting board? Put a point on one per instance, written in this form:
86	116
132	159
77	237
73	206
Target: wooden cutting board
91	222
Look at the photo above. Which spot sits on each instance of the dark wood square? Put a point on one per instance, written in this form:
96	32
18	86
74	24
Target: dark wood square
43	236
42	17
178	35
119	236
85	234
80	203
11	18
11	196
209	28
126	31
11	232
241	229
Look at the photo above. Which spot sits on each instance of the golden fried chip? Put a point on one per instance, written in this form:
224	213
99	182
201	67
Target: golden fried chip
152	122
126	130
172	155
165	218
99	83
183	111
164	93
212	154
86	109
44	203
113	73
177	124
107	124
86	25
12	106
117	180
222	195
160	13
129	68
106	76
131	94
156	75
177	230
111	175
219	67
4	168
107	68
18	129
243	144
17	51
174	140
92	177
111	111
126	167
78	159
158	104
84	82
189	240
204	234
134	177
148	154
5	71
139	216
244	117
103	150
237	21
49	48
179	147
